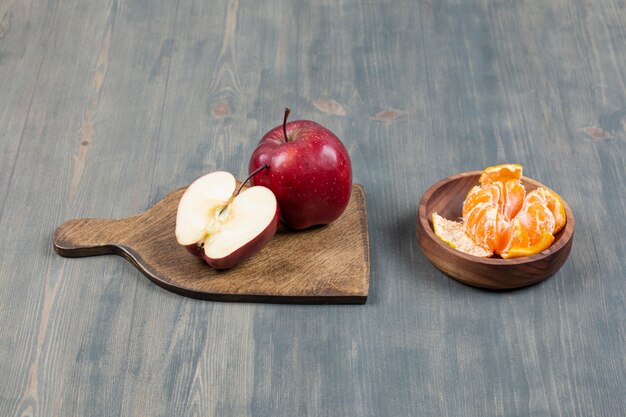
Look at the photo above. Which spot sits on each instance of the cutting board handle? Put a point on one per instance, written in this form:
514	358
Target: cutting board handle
90	237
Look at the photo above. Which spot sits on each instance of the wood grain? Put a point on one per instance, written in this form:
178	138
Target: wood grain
416	90
446	198
325	265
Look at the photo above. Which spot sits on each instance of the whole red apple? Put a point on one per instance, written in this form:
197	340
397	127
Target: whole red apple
309	172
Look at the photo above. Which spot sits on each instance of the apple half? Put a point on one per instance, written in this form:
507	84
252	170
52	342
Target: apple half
224	222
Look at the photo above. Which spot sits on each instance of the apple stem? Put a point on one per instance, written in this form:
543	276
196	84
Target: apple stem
287	111
236	193
252	174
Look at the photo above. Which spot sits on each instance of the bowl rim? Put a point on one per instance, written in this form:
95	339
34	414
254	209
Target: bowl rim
423	219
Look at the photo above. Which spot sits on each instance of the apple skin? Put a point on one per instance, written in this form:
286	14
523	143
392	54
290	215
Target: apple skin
310	174
195	250
247	250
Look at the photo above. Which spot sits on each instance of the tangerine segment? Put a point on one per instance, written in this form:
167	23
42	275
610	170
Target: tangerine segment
454	235
511	198
477	195
542	244
501	173
488	227
519	236
536	217
553	201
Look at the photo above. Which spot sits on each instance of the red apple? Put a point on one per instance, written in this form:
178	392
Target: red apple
309	172
224	222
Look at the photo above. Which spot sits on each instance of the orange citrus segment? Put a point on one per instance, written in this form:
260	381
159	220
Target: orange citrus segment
488	227
501	173
542	244
536	217
454	235
512	198
554	203
519	235
477	195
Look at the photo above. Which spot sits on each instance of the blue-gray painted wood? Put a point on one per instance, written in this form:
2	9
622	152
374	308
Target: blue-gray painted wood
105	107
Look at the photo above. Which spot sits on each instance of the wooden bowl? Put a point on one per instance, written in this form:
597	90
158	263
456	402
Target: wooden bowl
446	198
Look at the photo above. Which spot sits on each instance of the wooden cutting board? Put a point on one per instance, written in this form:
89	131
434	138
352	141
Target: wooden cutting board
322	265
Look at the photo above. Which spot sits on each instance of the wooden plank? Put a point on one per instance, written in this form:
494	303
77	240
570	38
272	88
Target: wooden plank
65	135
41	99
20	71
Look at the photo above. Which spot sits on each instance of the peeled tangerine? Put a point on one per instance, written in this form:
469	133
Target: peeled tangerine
499	217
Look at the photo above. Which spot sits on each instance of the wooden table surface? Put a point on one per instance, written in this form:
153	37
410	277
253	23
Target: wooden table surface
107	106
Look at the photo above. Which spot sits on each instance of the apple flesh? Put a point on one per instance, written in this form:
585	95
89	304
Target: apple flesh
309	172
224	223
